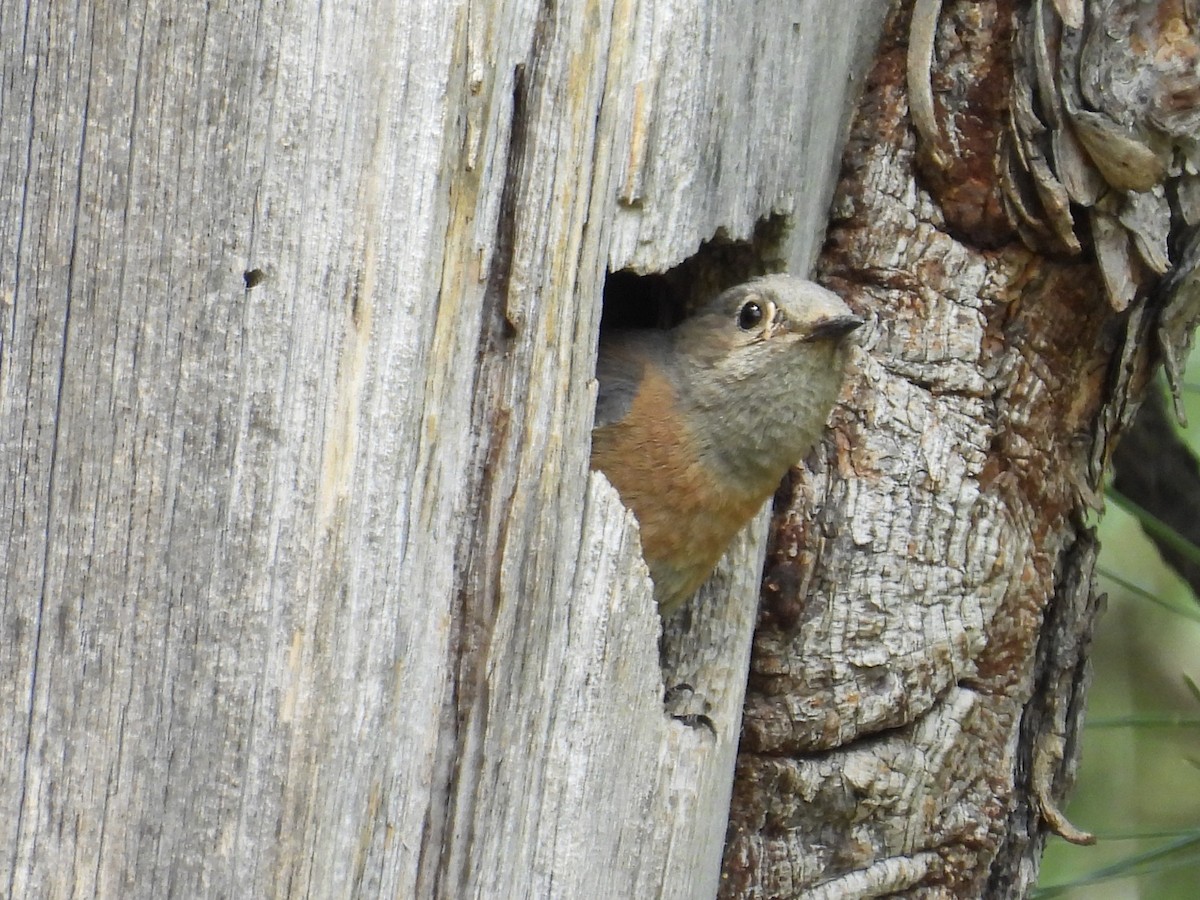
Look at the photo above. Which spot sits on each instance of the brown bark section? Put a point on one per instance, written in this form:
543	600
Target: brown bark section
880	752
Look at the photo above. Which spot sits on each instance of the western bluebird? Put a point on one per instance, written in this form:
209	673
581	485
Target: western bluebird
696	426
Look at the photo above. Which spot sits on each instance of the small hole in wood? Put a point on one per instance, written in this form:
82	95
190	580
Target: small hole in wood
664	299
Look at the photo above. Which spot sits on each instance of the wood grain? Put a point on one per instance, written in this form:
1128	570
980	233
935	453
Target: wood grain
307	589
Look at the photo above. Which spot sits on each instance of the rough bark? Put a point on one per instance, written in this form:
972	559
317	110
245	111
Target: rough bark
307	589
912	719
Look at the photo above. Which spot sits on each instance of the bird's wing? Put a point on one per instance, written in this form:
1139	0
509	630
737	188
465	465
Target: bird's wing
620	368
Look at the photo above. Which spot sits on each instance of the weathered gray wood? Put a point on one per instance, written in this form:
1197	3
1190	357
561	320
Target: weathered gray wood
308	591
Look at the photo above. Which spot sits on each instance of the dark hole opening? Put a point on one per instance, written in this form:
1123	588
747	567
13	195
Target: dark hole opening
664	299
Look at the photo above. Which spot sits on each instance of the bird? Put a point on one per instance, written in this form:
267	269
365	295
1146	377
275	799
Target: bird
696	425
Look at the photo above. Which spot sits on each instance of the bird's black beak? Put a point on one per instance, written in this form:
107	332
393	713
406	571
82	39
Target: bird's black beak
835	327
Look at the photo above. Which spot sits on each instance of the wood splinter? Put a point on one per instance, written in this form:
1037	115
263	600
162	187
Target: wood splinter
1046	759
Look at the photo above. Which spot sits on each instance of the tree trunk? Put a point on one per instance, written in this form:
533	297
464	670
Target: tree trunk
920	665
308	590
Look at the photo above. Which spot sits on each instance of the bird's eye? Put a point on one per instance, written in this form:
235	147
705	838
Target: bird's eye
749	315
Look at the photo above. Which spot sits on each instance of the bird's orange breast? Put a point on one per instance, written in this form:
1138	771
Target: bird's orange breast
686	513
